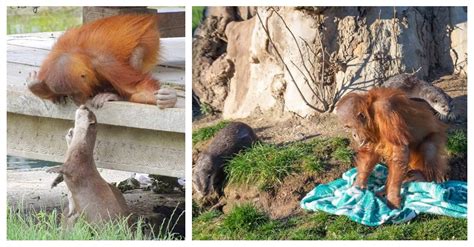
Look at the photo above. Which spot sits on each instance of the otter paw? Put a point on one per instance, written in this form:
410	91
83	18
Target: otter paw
99	100
166	98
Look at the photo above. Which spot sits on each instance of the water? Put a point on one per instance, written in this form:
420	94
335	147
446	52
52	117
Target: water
20	163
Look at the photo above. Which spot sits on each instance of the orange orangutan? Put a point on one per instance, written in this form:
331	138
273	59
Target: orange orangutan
108	59
387	126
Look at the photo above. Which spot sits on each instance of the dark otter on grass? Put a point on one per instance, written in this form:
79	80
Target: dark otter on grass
208	173
419	89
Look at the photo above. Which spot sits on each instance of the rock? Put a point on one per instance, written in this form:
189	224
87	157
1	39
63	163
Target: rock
363	47
165	185
128	184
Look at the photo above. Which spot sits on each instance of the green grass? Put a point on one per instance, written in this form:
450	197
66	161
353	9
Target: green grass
266	165
46	19
207	133
42	225
247	222
198	13
245	217
206	109
457	142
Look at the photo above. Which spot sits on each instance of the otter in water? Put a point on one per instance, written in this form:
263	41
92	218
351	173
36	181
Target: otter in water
208	173
89	194
419	89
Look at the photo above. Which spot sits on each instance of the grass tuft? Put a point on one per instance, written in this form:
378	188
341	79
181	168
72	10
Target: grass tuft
244	218
247	222
207	133
266	165
198	14
457	142
43	225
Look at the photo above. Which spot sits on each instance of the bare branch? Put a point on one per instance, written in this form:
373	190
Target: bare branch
296	42
307	82
285	65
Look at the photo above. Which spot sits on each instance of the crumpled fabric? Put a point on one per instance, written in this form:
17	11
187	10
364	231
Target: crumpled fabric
365	207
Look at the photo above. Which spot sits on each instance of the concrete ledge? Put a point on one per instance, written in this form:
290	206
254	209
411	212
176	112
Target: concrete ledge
126	114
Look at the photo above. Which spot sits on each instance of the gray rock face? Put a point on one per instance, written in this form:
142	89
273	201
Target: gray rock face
328	51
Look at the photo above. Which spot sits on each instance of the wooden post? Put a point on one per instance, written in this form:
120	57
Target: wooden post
172	21
93	13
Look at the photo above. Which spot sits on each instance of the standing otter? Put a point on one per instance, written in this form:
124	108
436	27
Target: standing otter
419	89
208	173
90	195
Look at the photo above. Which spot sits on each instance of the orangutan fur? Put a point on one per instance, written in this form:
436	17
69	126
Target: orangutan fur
387	126
108	59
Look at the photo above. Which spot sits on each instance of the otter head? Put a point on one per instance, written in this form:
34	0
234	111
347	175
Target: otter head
85	125
440	102
207	176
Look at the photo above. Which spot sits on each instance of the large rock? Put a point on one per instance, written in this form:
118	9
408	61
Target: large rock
363	47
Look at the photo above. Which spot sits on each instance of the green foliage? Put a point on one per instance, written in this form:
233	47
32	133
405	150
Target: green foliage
342	152
43	225
244	218
206	109
266	165
198	13
345	229
439	227
209	216
457	142
243	222
425	227
207	133
322	226
204	226
311	163
309	226
46	19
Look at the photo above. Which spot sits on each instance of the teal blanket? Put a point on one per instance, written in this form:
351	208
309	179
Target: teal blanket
363	206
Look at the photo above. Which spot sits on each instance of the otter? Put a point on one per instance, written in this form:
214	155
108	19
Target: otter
439	101
208	173
89	194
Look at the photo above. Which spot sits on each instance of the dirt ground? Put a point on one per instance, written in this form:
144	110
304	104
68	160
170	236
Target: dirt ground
284	200
292	128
